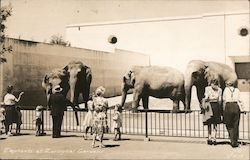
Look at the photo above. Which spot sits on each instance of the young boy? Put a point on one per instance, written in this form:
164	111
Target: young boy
38	120
19	120
2	119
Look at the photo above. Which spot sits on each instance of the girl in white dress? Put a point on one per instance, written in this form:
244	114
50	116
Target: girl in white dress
89	118
117	122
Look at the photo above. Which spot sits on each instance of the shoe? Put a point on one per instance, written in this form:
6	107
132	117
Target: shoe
101	146
214	143
114	139
84	137
209	142
10	134
235	145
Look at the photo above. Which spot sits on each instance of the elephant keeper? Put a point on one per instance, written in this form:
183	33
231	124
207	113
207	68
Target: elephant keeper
231	114
57	103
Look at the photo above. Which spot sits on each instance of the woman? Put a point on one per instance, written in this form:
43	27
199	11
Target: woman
231	98
102	103
213	95
100	123
10	101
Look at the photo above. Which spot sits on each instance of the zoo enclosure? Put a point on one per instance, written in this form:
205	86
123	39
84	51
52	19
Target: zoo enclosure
30	61
145	122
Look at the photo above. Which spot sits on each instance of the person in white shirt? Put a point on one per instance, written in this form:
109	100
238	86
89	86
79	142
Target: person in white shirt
38	119
10	101
213	95
231	114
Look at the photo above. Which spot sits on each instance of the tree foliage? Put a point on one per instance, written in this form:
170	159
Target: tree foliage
5	12
58	39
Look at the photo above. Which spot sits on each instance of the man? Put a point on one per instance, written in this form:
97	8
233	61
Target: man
231	99
58	104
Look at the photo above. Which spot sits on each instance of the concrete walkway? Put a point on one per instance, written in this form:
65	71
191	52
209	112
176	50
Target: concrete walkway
73	146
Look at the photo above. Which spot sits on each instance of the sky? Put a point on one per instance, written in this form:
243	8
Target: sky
38	20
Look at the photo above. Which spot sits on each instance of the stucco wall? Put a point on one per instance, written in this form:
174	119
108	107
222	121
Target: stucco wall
170	41
30	62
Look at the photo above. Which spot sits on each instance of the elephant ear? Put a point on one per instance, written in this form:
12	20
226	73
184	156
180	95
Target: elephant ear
211	75
66	68
133	79
127	76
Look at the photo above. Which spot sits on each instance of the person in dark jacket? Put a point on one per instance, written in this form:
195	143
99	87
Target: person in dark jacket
57	103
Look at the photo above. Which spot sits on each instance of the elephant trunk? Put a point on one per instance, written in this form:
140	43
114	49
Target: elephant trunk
188	88
124	96
72	89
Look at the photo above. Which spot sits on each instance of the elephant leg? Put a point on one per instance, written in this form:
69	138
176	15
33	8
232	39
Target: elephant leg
175	106
200	94
145	102
136	99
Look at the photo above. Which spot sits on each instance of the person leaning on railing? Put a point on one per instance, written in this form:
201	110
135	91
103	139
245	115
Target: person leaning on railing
232	107
212	111
10	101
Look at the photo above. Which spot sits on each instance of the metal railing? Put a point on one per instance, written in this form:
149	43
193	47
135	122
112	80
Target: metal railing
144	122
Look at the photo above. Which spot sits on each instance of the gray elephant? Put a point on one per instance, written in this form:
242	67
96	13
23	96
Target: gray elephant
56	77
75	77
159	82
200	73
80	77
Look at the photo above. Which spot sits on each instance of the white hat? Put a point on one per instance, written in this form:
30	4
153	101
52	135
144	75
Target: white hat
229	83
39	108
57	89
100	91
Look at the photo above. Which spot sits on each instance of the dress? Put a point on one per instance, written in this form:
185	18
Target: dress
213	97
101	104
11	114
117	121
99	123
89	119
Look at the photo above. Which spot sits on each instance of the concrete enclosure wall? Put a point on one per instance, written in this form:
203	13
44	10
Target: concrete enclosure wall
31	61
172	41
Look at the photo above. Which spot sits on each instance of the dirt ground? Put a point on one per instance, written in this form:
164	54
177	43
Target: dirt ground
73	146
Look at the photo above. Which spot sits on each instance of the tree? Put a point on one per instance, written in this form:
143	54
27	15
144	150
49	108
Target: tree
5	12
58	39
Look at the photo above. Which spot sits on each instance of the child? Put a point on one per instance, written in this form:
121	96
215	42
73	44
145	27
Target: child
2	119
117	122
19	120
98	128
38	120
89	118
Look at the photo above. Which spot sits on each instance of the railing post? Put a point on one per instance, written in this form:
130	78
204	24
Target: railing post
146	126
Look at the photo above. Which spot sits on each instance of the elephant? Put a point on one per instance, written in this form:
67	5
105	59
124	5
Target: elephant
80	77
56	77
200	73
156	81
75	77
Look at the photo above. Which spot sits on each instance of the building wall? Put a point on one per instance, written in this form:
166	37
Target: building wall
170	41
30	62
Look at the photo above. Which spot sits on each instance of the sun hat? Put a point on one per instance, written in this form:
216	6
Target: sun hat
229	83
57	89
39	108
100	91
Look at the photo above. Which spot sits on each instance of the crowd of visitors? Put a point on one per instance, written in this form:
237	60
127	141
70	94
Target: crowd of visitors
217	107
